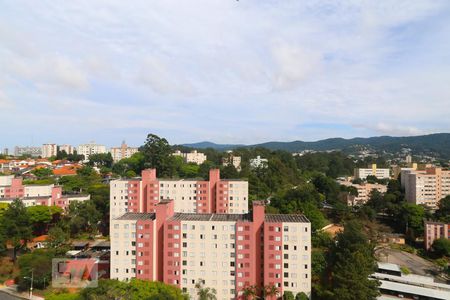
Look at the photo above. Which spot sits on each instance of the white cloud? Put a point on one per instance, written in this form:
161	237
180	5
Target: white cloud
156	74
293	65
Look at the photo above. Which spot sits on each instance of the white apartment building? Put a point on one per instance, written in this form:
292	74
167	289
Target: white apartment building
427	187
67	148
89	149
258	162
192	157
233	160
49	150
122	152
361	173
364	191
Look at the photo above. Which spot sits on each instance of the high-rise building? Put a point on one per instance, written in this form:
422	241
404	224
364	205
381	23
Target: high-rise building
67	148
189	195
89	149
361	173
33	151
228	252
122	152
427	186
49	150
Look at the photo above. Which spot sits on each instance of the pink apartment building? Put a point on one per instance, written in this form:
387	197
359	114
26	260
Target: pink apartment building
434	231
32	194
228	252
189	195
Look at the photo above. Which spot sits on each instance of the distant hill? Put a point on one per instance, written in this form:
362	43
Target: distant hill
438	144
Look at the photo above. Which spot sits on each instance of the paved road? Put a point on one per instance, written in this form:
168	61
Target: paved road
414	263
5	296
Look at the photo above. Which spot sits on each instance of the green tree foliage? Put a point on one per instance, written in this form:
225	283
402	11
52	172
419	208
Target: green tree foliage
134	290
301	296
135	163
303	199
40	261
101	160
16	225
410	217
70	157
350	262
86	177
40	216
158	154
205	293
441	247
42	173
83	217
332	164
443	211
288	295
58	239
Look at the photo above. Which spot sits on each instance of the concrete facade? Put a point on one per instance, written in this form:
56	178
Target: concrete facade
90	148
228	252
192	157
434	231
361	173
49	150
122	152
189	195
427	187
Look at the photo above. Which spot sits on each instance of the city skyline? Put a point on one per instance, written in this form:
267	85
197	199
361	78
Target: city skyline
222	71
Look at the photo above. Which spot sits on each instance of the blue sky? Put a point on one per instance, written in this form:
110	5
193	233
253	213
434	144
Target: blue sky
223	71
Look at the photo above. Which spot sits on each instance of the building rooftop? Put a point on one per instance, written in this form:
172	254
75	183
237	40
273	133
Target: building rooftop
276	218
137	216
211	217
388	267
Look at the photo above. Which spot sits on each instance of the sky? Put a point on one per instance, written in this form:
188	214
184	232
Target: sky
223	71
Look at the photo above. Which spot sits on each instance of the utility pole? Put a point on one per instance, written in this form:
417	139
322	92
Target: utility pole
31	286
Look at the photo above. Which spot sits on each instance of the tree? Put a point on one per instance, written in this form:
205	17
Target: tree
83	217
351	261
441	247
205	293
40	262
41	173
288	295
40	217
58	239
301	296
101	160
443	211
16	225
158	154
410	217
271	291
250	292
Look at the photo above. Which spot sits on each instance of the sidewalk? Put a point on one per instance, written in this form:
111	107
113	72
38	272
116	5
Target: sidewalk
10	293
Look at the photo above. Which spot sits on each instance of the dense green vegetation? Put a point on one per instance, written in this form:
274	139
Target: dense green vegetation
134	290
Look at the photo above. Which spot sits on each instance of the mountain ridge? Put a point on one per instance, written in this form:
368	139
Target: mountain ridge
438	143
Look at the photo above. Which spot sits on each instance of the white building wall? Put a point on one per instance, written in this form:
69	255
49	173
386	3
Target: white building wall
213	245
38	190
297	257
118	198
123	249
238	196
183	192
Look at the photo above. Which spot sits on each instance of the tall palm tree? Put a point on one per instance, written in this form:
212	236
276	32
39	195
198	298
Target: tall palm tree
250	292
205	293
271	291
